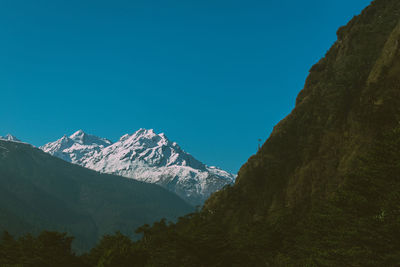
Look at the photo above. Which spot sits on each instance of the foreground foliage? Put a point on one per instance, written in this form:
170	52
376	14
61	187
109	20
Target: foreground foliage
324	190
47	249
40	192
359	225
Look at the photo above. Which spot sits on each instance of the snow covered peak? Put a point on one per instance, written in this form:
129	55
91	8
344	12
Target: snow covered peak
139	134
144	134
59	145
143	131
77	134
87	139
145	156
148	138
76	147
10	137
152	148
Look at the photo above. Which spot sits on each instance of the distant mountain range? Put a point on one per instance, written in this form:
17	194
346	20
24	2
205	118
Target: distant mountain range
9	137
324	189
144	156
39	191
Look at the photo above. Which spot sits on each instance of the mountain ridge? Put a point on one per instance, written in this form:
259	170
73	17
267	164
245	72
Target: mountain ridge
323	190
39	191
144	156
10	137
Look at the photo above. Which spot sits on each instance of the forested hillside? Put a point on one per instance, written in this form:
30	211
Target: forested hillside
38	192
324	189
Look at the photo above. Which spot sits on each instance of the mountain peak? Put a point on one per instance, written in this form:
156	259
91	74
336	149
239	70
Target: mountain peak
87	139
144	130
10	137
145	137
145	133
78	133
142	133
76	147
145	156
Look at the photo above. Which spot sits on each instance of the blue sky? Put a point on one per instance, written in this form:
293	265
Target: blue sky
214	76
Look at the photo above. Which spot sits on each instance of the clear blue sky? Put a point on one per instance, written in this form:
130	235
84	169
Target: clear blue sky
214	76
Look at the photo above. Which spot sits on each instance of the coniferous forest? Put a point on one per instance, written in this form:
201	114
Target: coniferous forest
323	190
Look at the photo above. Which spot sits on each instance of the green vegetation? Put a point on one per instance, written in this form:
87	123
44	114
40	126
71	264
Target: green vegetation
47	250
324	189
359	225
40	192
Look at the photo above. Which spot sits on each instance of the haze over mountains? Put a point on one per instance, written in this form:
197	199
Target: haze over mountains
144	156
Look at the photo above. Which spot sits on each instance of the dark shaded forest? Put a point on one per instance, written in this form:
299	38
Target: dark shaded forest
359	225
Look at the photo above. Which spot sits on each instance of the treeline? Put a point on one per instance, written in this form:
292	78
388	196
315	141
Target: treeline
358	226
46	249
54	249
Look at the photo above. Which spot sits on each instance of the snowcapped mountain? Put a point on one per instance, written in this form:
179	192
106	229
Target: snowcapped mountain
144	156
10	137
76	148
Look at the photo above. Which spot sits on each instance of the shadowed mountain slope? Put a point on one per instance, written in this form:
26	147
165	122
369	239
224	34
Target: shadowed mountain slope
324	188
349	100
39	191
144	156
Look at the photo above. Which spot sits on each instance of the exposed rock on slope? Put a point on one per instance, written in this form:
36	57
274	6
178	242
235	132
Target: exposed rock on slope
144	156
76	148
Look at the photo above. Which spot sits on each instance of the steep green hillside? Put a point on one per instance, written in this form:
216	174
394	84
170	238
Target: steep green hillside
38	191
350	99
324	188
